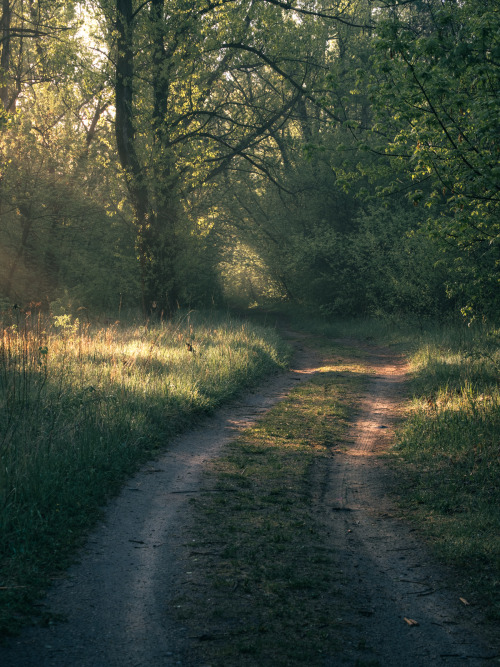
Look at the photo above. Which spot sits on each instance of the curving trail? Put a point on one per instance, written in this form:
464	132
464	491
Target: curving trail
115	598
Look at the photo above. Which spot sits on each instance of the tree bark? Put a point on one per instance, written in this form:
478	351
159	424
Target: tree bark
5	56
125	133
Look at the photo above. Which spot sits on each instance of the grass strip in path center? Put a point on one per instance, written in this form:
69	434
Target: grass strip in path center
261	580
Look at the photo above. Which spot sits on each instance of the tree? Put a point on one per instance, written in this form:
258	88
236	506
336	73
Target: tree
33	41
201	87
435	84
296	221
62	229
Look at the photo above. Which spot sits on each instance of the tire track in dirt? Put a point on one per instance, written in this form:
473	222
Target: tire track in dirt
115	599
388	574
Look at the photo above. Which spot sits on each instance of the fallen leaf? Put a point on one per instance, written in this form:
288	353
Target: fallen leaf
410	621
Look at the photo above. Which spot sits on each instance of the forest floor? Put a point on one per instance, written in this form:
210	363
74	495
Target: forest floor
391	604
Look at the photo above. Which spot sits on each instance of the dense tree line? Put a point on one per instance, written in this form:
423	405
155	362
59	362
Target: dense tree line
160	154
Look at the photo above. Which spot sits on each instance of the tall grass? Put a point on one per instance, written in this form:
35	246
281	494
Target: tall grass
82	405
449	451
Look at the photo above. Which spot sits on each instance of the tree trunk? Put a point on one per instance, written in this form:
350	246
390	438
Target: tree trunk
125	134
5	56
153	204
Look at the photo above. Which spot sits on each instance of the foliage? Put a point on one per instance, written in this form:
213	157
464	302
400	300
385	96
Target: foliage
64	221
199	89
182	153
435	89
36	39
60	231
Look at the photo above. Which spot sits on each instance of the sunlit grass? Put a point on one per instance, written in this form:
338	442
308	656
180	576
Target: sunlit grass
81	406
449	454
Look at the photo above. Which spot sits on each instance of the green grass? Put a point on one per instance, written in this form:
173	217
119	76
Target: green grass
261	553
448	450
82	406
448	455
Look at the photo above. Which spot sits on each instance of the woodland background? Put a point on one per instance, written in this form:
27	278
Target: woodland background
161	154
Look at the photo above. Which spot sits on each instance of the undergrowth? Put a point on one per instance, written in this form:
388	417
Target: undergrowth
81	406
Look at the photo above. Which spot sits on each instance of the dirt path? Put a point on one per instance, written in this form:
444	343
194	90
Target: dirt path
114	599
